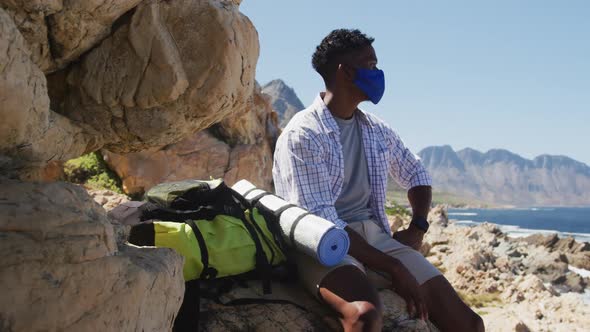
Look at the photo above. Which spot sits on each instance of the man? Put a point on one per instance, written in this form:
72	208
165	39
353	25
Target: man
332	159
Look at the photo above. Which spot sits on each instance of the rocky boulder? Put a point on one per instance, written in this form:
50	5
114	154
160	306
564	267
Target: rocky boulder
147	74
307	315
59	31
577	253
240	147
63	269
169	69
30	133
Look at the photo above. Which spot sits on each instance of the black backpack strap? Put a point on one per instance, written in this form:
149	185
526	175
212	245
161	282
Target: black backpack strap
294	226
282	209
153	211
208	272
248	191
262	264
254	200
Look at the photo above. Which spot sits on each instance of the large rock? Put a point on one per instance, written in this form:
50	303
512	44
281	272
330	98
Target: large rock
199	156
62	269
577	253
59	31
30	18
30	134
81	24
170	69
240	147
547	241
308	315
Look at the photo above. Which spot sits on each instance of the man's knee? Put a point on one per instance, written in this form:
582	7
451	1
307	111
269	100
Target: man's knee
348	291
352	285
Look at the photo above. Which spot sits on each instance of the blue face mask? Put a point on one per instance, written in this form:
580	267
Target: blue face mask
371	82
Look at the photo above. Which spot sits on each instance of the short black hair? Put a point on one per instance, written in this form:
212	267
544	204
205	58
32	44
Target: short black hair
337	43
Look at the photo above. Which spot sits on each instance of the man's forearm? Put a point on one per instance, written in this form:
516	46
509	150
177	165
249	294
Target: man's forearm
420	198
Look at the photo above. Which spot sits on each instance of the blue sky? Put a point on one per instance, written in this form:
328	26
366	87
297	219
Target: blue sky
493	74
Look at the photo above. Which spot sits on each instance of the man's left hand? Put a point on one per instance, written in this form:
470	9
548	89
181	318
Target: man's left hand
412	237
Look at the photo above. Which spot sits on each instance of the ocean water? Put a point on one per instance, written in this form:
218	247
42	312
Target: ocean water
565	222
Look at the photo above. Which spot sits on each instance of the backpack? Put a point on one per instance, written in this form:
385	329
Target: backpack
216	230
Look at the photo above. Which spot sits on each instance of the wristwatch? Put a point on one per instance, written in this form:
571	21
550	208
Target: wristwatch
421	223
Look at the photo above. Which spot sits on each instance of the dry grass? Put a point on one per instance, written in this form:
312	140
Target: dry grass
480	300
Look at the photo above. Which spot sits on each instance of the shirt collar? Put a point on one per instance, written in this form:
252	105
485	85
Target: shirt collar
327	118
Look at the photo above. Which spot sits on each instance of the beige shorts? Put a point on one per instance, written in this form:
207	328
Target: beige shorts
311	272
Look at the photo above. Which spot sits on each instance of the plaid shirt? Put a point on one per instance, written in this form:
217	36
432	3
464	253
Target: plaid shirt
308	165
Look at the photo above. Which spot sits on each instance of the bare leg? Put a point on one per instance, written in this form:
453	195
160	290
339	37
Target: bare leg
446	310
348	291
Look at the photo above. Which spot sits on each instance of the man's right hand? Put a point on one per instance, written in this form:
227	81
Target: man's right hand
402	280
406	286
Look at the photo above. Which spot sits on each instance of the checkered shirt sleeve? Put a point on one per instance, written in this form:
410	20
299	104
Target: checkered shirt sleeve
405	167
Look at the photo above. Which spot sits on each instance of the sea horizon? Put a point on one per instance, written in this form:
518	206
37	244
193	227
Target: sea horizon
522	222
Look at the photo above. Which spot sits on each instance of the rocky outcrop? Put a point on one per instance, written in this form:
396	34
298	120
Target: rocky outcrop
107	199
80	76
307	315
147	74
59	31
30	133
163	74
515	285
576	253
63	270
240	147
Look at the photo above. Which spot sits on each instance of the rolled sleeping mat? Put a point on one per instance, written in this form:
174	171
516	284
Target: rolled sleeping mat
301	230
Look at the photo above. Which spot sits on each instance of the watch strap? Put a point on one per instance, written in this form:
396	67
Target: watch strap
421	223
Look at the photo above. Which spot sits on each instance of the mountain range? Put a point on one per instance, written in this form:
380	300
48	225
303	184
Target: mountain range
497	177
502	177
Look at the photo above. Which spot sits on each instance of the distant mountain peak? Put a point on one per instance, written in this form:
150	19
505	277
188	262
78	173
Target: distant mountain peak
438	156
284	100
278	84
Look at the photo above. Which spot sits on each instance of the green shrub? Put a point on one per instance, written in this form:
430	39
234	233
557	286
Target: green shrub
92	171
395	209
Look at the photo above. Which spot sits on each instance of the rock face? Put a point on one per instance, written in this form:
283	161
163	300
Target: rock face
577	254
58	31
502	177
283	99
147	74
163	74
64	271
247	155
308	315
107	199
30	133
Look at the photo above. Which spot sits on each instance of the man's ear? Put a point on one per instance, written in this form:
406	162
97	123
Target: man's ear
346	70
